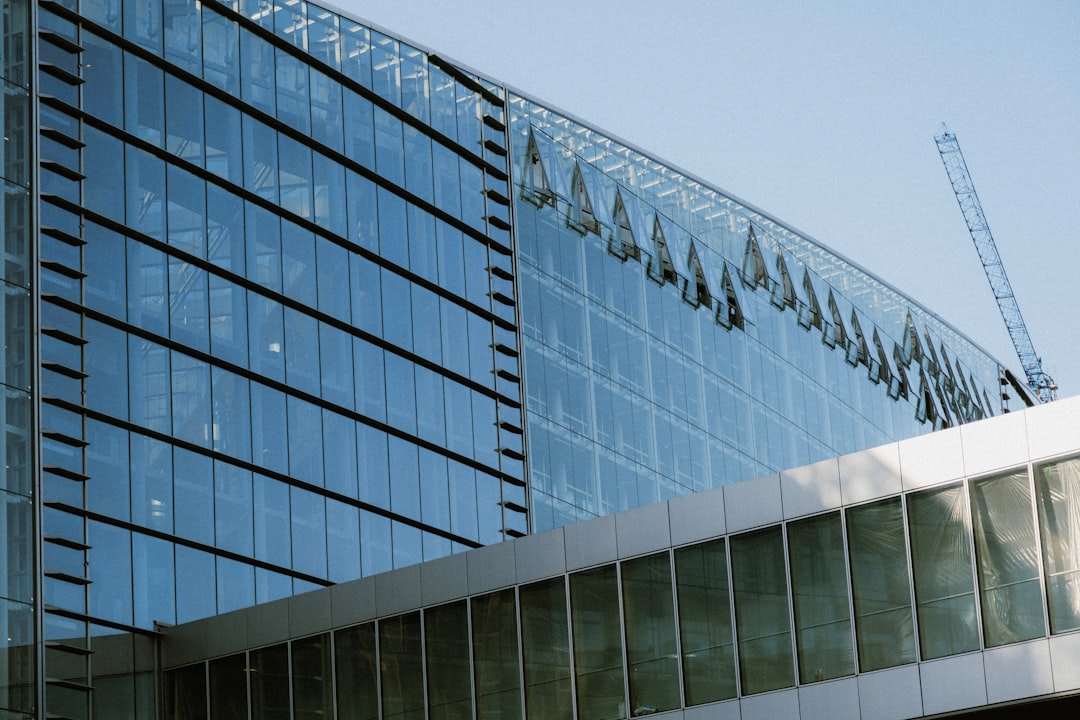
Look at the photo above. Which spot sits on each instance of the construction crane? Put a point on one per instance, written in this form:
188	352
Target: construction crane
1038	380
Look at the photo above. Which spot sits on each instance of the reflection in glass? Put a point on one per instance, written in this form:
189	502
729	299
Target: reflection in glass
941	558
594	607
650	634
495	656
1057	488
357	672
401	659
705	622
185	693
1007	559
446	639
880	585
152	570
312	689
820	595
546	649
762	610
110	572
270	682
228	688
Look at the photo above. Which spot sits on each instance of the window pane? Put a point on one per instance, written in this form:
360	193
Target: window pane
258	77
270	682
820	594
312	690
193	483
233	508
357	673
269	439
224	141
232	413
144	99
495	654
308	517
273	541
705	623
302	352
228	687
402	667
107	459
188	307
147	285
145	185
881	586
546	649
762	611
260	158
235	584
104	260
267	336
191	407
185	693
650	634
152	569
110	572
225	229
944	586
102	68
186	211
305	441
220	50
152	483
446	638
1058	489
339	453
342	541
196	585
594	607
1007	559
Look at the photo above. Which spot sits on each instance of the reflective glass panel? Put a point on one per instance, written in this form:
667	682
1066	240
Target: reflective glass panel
820	594
594	608
880	585
495	656
312	692
762	610
705	622
228	688
1007	557
357	672
650	634
1057	488
446	642
270	682
185	693
941	558
546	649
401	659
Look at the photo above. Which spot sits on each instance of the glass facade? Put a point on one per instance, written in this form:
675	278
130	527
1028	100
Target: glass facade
279	341
20	588
289	302
676	339
654	632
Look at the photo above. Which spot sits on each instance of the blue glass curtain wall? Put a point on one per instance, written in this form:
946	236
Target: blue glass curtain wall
280	346
782	606
661	360
19	590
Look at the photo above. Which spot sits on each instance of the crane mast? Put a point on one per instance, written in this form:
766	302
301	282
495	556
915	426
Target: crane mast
949	149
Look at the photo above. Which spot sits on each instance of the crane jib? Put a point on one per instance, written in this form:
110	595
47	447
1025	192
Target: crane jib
949	148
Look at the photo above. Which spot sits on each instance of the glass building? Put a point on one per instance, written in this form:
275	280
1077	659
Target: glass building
930	577
289	301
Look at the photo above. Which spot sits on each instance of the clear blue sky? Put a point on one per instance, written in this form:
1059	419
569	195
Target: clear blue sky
823	114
